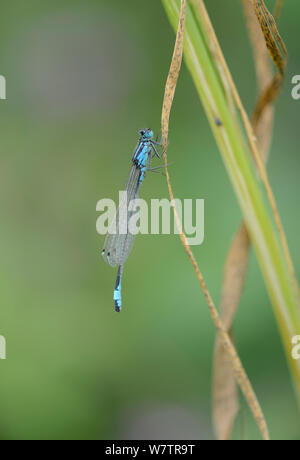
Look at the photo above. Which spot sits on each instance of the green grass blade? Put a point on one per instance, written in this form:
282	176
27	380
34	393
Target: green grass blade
237	159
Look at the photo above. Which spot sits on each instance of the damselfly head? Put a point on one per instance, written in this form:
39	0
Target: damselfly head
146	134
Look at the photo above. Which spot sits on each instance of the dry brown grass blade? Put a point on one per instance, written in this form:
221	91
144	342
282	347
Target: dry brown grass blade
264	76
271	34
256	156
278	53
225	397
239	372
225	394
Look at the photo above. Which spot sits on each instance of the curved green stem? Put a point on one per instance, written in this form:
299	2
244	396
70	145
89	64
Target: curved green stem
237	159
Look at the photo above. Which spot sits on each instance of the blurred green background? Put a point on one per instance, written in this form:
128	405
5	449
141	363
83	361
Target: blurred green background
82	79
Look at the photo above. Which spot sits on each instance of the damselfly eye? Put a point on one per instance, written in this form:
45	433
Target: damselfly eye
142	132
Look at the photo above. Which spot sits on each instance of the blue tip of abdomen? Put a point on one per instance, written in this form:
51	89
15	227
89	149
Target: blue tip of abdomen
117	300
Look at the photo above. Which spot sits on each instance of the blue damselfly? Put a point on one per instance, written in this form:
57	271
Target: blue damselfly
119	241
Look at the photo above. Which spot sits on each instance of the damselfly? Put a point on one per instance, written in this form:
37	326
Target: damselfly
119	243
